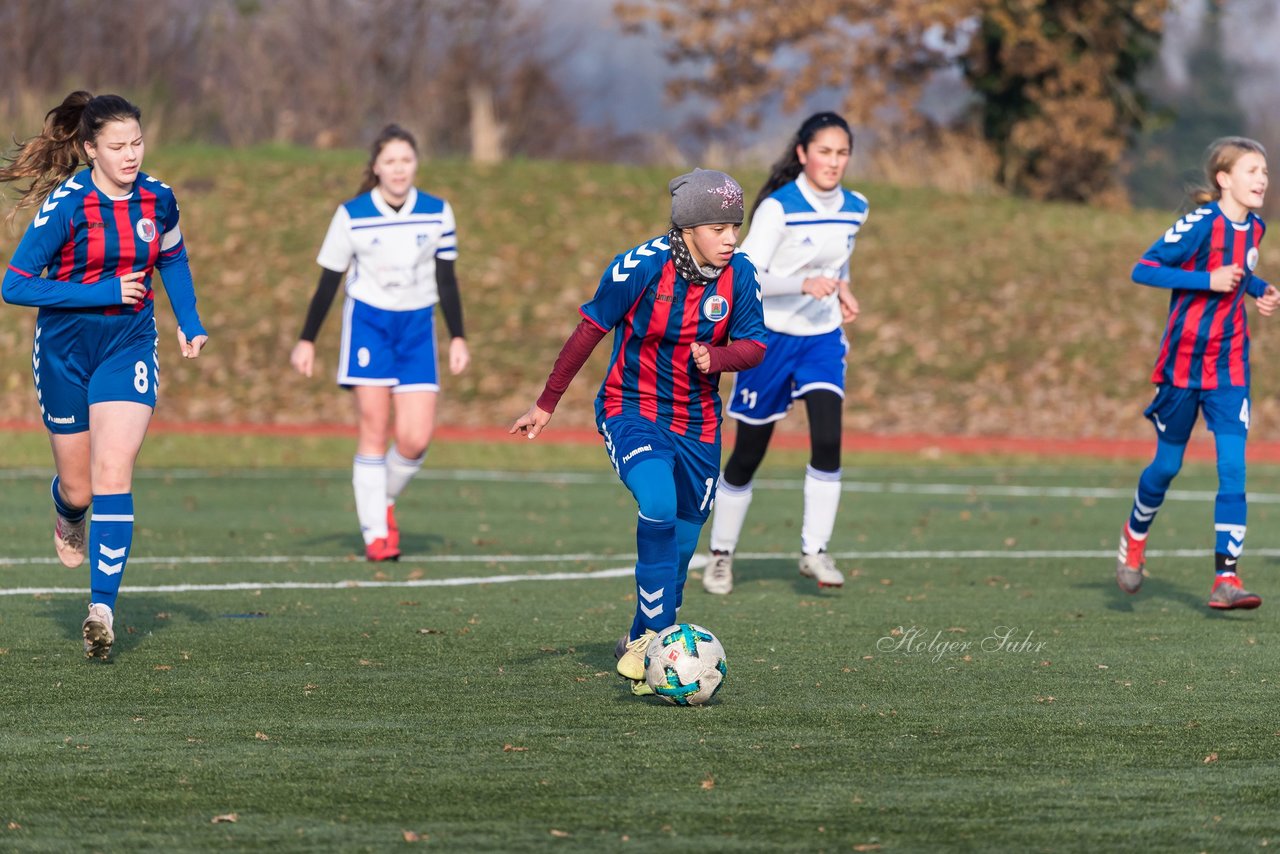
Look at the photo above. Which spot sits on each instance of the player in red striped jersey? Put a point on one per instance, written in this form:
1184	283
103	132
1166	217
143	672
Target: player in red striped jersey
1207	259
87	260
683	307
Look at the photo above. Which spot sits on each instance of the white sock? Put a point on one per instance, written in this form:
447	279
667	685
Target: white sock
399	472
369	478
821	500
732	504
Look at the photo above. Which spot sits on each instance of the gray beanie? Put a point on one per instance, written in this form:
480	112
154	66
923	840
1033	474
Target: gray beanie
705	196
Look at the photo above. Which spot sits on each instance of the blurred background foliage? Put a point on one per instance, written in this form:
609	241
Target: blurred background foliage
1099	101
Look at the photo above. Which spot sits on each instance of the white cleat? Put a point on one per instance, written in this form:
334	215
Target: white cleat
98	631
68	541
717	578
822	569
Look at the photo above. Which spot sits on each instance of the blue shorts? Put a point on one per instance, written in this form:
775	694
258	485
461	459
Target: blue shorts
793	366
82	358
388	348
1173	412
630	440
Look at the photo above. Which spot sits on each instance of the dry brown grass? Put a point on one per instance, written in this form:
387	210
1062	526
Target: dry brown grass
981	314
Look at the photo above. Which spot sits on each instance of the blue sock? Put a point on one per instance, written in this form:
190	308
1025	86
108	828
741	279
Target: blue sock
1230	510
687	534
1153	484
65	510
656	574
110	536
654	487
1229	516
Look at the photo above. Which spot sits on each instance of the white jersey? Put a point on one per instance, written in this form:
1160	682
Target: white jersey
799	232
390	256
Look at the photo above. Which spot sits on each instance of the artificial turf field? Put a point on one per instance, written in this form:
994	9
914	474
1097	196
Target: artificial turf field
979	684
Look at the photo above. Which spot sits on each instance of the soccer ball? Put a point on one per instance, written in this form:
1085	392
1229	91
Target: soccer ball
685	665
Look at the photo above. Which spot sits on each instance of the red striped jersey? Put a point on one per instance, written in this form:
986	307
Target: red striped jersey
1206	338
81	234
657	315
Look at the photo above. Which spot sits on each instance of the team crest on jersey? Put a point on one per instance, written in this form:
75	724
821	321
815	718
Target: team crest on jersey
147	229
715	307
1251	260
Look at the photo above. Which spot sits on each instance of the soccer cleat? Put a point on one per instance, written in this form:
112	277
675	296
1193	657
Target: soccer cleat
1130	561
631	659
97	631
68	541
717	578
393	530
641	688
1228	594
380	549
822	569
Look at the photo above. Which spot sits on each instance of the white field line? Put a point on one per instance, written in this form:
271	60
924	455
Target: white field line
618	572
186	560
333	585
856	486
866	487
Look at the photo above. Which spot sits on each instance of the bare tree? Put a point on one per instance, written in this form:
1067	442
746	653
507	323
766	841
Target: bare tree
315	72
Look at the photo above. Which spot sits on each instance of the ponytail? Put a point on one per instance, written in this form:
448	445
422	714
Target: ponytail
55	154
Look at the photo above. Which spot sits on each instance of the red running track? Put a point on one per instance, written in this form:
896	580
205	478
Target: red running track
1127	449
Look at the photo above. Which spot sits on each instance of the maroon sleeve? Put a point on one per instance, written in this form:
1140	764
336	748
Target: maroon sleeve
737	356
573	355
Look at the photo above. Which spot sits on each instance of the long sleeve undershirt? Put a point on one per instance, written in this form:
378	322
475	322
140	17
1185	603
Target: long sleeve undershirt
735	356
330	280
573	355
450	298
320	302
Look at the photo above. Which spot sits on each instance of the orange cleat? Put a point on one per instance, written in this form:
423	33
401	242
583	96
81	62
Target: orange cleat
380	550
1228	594
393	530
1131	563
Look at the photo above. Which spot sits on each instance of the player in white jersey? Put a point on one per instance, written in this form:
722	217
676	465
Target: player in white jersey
803	230
397	246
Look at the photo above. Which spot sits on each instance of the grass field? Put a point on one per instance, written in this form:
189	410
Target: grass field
980	683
